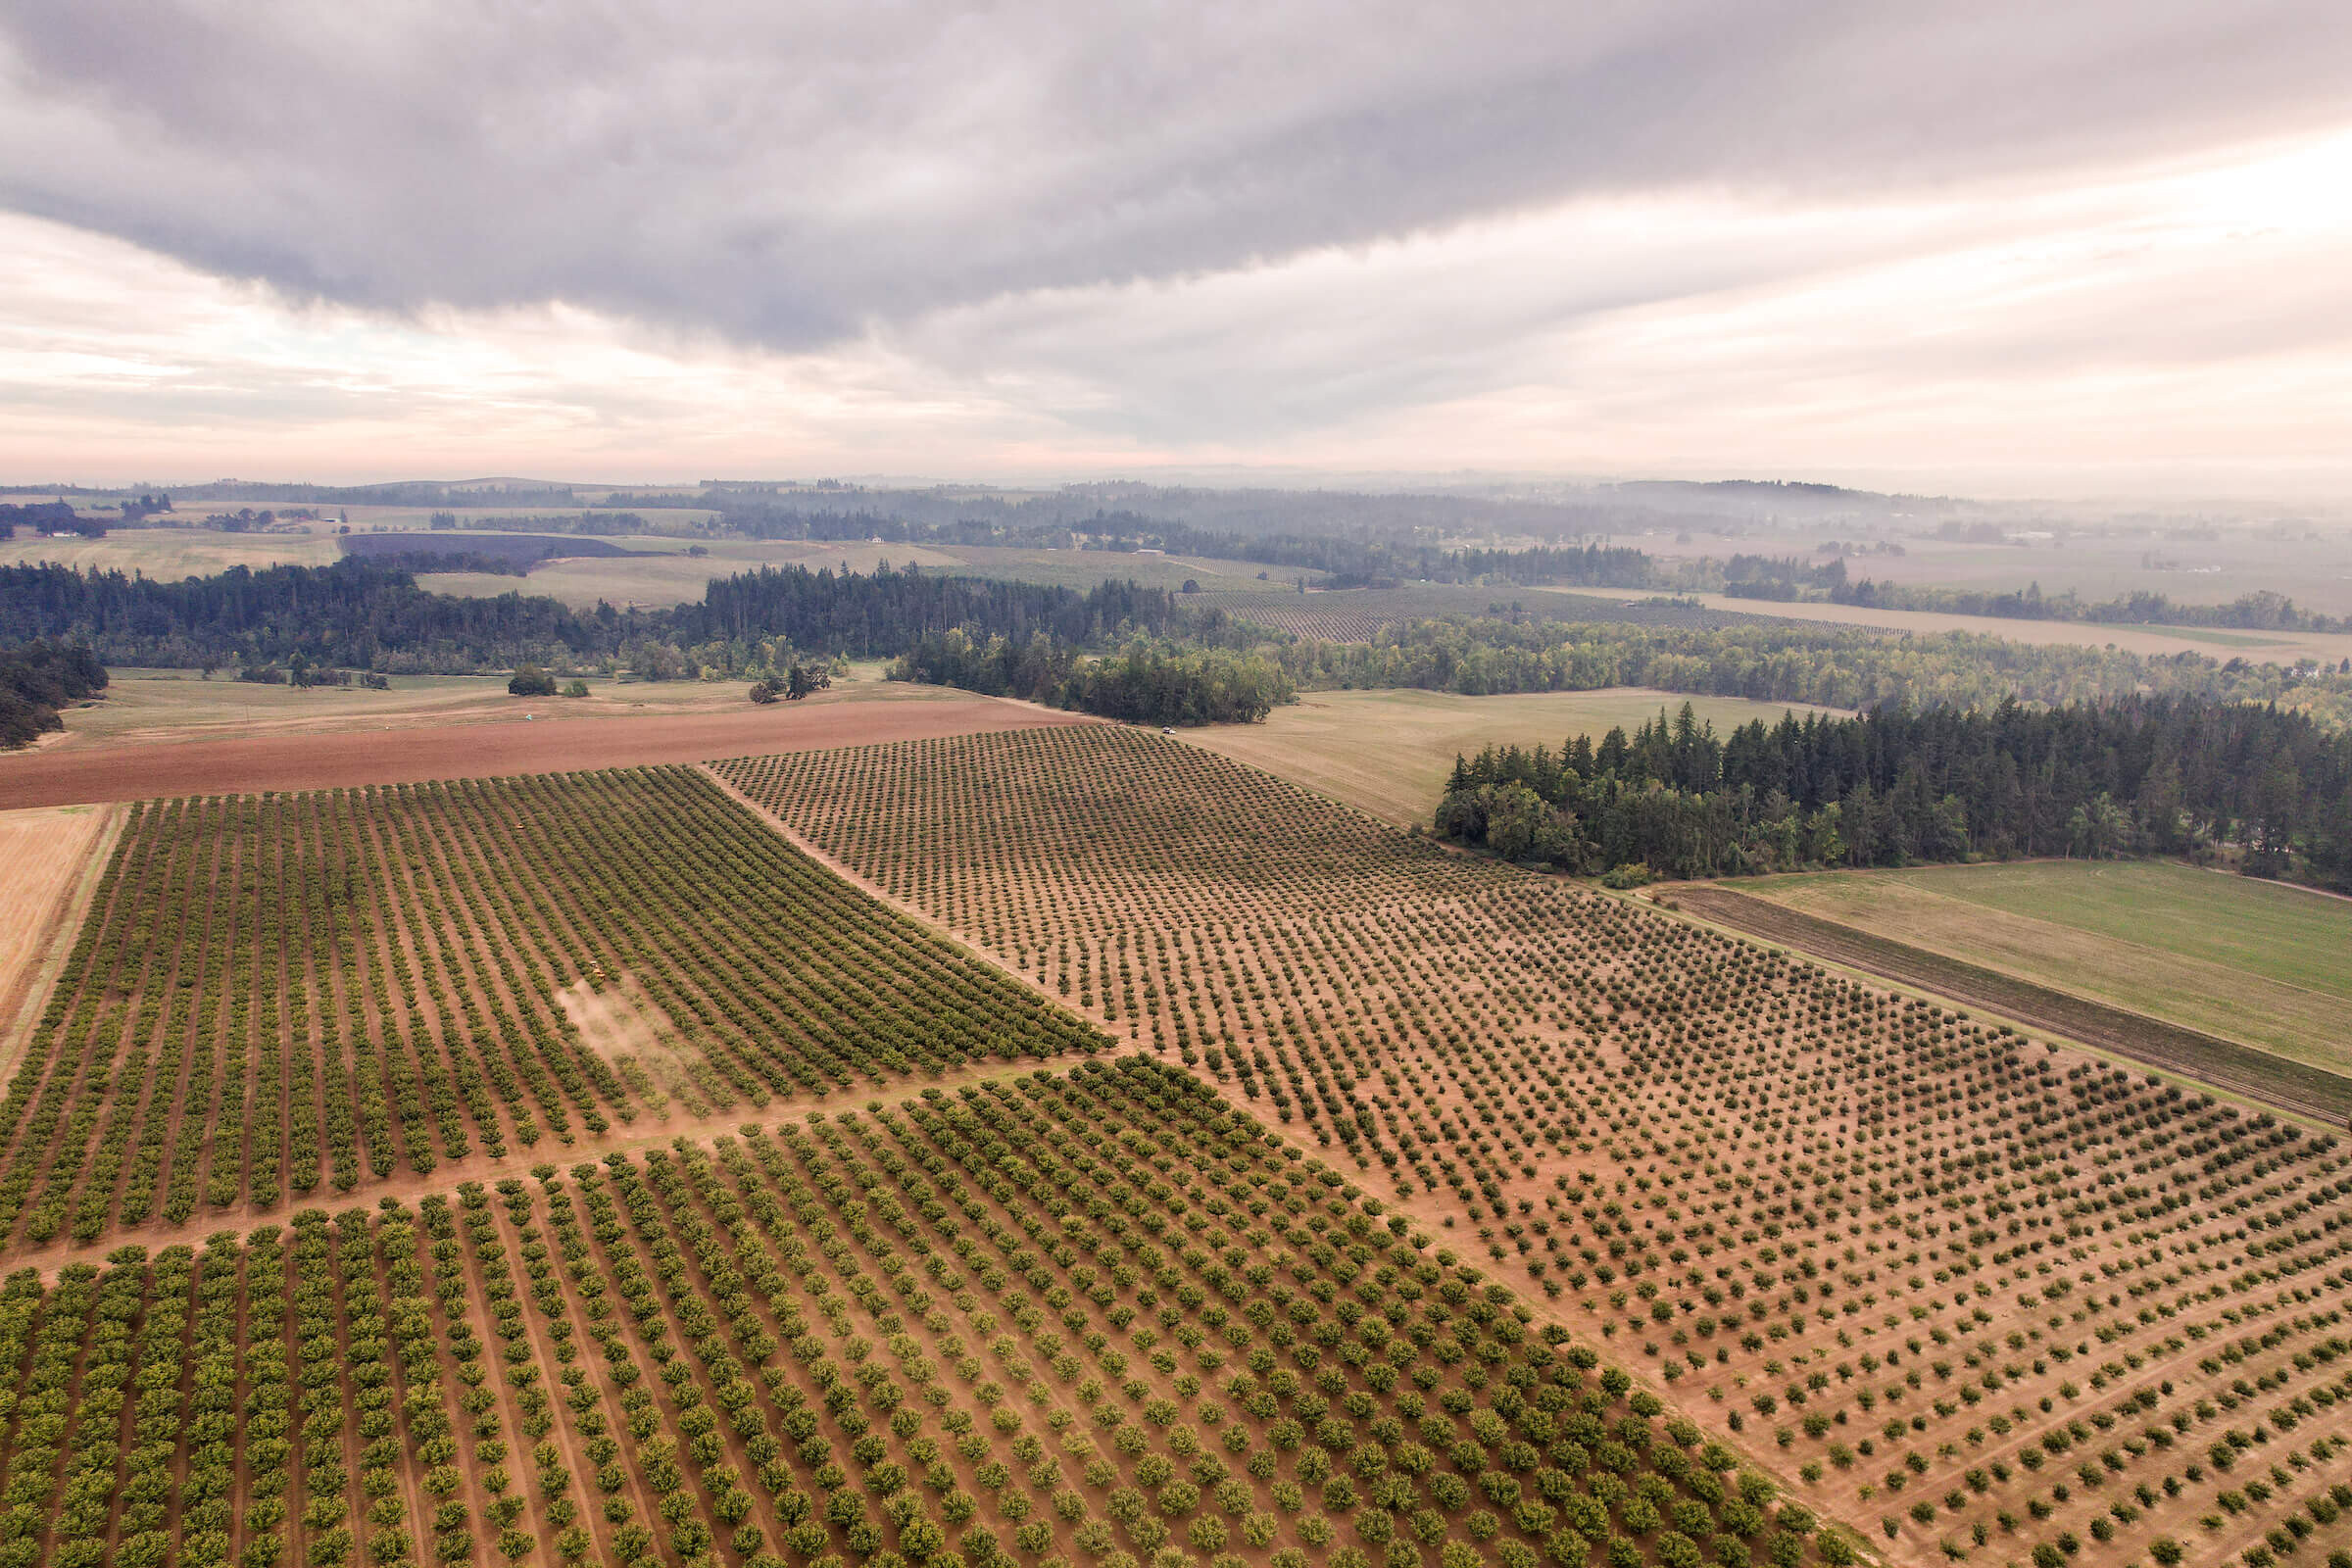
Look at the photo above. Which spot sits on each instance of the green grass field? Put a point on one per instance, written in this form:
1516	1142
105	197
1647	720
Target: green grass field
1389	752
2249	960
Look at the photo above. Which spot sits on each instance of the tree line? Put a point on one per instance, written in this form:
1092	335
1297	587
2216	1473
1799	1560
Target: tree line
1146	682
353	613
1902	786
1363	558
1793	662
38	678
47	516
1786	579
369	615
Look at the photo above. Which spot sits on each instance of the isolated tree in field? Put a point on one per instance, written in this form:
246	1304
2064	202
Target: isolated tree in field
531	681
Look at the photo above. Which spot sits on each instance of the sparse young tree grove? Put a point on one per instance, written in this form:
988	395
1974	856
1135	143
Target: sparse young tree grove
1906	1250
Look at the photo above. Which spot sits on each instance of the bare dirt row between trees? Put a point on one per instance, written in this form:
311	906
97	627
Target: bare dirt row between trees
2290	1086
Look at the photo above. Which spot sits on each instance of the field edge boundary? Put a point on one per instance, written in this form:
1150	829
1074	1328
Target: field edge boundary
21	1006
2296	1088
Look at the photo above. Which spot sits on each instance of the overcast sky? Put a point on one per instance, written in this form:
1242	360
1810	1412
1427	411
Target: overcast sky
2094	246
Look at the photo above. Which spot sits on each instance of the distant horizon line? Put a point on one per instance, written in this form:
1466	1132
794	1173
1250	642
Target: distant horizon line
1237	477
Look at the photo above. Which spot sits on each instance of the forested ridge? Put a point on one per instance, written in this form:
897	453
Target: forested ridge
1898	786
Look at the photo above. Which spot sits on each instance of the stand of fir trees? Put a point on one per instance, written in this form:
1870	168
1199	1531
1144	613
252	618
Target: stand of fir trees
360	613
1145	683
1896	786
35	681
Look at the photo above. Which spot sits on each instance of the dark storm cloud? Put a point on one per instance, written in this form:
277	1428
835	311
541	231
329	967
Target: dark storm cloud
787	178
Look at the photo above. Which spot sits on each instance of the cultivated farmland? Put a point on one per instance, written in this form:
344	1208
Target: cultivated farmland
1097	1316
290	993
1976	1295
2233	956
1466	1218
485	735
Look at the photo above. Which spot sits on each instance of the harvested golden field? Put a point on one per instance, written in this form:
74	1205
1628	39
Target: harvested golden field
1974	1295
45	860
171	554
1389	752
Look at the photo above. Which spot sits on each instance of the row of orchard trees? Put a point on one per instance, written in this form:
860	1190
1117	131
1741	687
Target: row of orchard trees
301	991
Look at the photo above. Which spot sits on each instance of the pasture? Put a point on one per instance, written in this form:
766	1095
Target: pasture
155	706
1087	568
1389	752
667	575
2246	960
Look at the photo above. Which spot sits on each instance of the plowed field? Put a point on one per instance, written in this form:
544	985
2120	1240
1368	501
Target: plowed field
282	761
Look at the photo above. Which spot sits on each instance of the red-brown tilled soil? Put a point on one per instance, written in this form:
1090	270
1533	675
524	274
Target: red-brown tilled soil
132	772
